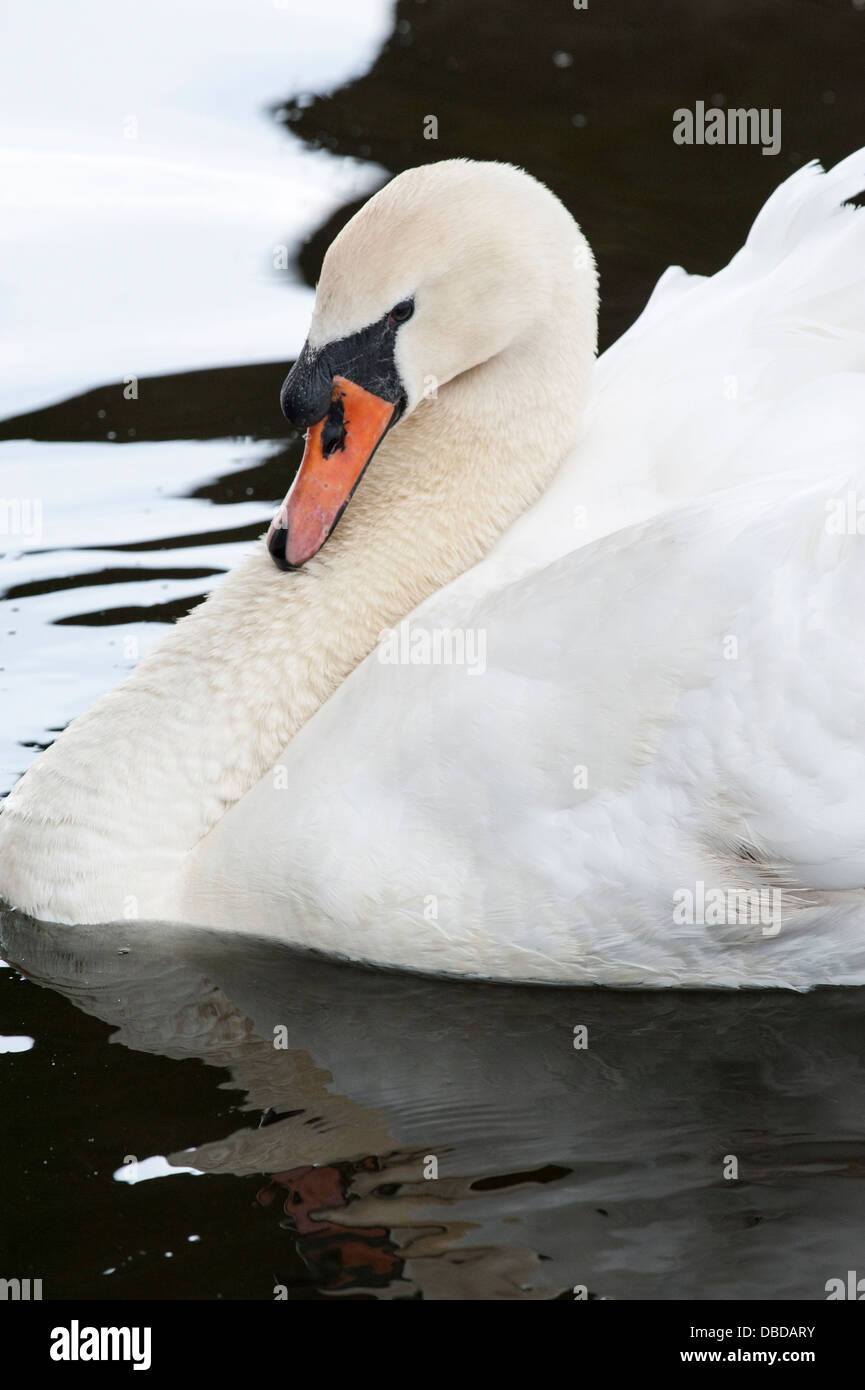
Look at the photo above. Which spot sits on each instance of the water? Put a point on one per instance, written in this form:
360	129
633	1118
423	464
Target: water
167	200
557	1166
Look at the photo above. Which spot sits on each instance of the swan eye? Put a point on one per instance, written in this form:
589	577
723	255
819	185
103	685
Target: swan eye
402	311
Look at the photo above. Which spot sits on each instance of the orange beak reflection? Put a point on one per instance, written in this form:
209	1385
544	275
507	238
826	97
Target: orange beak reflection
338	449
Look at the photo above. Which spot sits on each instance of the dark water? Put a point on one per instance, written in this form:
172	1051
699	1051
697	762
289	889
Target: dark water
312	1095
602	1166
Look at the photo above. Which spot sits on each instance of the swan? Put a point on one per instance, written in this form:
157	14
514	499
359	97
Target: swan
548	669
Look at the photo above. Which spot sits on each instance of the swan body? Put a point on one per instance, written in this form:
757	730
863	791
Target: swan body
651	771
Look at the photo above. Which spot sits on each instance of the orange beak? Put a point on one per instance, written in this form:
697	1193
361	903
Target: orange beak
338	449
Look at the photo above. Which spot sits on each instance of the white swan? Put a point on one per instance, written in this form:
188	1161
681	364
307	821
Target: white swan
657	571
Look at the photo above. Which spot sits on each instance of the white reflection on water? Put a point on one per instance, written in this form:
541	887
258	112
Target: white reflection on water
144	186
101	495
148	1168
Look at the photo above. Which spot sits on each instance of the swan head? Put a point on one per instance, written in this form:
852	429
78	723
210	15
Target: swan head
448	267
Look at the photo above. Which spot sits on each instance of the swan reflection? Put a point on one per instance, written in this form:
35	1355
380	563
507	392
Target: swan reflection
414	1137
